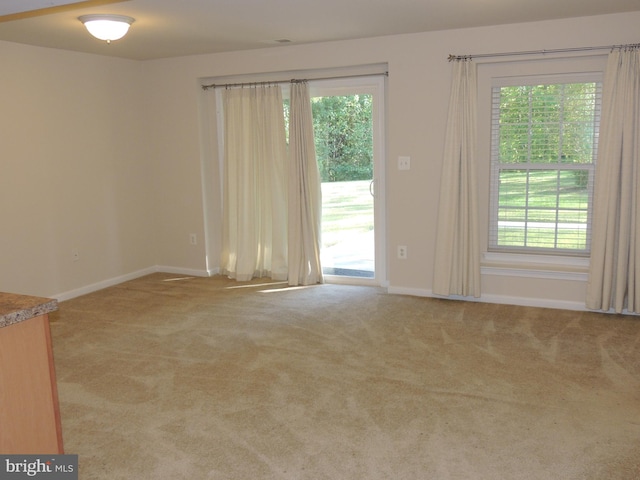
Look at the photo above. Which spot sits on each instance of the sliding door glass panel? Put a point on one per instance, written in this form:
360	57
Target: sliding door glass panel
347	126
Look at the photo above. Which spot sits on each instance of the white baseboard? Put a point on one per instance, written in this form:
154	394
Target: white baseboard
499	299
416	292
110	282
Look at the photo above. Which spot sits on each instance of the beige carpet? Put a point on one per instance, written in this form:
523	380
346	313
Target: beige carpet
173	378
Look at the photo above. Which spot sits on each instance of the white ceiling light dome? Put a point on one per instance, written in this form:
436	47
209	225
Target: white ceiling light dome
107	27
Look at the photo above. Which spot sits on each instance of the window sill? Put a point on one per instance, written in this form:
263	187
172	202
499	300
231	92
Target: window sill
550	267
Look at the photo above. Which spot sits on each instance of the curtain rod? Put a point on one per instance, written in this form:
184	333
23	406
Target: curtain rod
293	80
541	52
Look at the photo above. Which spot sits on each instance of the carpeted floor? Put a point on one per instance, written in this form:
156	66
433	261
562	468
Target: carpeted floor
167	377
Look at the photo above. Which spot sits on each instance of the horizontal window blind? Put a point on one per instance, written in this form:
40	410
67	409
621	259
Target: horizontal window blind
543	150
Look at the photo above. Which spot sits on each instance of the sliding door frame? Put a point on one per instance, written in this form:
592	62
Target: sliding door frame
375	86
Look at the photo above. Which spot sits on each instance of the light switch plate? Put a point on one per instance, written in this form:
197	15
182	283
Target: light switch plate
404	163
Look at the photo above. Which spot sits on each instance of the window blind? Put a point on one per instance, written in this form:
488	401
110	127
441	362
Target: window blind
543	151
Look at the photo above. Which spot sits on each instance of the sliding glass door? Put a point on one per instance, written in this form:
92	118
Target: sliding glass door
348	126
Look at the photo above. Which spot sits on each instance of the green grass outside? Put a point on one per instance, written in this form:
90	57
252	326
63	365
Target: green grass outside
347	208
552	198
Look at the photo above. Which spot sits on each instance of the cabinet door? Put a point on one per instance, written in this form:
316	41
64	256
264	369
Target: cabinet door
29	412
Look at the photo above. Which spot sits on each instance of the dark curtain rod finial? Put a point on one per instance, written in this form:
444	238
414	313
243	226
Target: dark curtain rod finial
460	57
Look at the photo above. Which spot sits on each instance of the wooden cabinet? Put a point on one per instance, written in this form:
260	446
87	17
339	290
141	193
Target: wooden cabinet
29	412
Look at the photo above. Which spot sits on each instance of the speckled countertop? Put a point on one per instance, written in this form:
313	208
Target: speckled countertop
17	308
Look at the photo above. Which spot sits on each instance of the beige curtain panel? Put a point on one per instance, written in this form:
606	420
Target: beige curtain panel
305	197
255	193
614	274
457	262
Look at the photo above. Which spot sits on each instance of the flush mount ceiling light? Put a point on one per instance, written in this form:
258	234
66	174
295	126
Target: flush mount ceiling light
107	27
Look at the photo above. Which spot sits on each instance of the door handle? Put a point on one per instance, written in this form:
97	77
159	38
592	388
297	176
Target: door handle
371	185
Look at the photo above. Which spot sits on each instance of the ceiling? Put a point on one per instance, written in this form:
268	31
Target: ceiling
170	28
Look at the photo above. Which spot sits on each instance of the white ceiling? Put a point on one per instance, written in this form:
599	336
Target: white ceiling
9	7
169	28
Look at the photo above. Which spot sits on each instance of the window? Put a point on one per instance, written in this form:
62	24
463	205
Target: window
543	148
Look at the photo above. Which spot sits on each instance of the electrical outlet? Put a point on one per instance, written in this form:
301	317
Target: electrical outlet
193	239
402	252
75	256
404	163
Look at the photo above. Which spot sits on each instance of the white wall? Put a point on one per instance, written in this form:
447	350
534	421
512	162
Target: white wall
131	204
74	171
417	101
